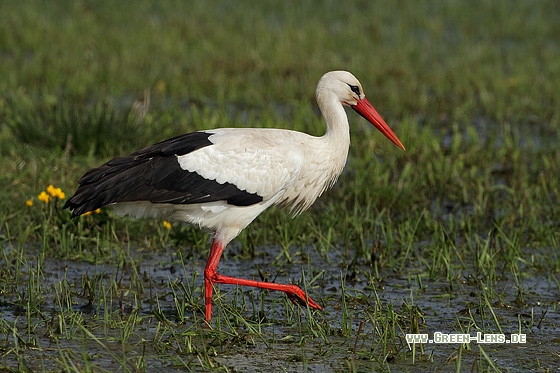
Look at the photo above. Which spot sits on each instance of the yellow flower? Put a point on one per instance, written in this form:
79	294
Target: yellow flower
91	212
56	192
29	203
166	224
50	190
44	197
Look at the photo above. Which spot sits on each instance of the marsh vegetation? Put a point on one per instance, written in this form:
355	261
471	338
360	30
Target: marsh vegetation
459	234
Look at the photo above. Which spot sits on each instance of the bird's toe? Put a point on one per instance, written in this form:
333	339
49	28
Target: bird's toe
301	299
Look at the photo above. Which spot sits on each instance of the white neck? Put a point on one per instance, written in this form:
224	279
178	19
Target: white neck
336	140
326	154
337	135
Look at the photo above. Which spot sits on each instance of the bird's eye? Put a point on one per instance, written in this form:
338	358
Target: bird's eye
354	89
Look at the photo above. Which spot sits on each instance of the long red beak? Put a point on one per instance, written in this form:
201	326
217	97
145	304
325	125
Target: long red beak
366	110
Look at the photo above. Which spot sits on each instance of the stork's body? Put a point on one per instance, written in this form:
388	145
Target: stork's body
222	179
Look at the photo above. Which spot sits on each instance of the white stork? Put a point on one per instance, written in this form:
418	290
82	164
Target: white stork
222	179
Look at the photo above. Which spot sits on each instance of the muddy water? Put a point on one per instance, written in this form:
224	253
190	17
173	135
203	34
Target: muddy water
347	334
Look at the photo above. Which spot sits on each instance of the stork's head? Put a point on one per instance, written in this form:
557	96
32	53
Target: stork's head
348	91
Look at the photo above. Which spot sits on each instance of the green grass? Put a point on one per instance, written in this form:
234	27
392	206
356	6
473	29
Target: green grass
458	234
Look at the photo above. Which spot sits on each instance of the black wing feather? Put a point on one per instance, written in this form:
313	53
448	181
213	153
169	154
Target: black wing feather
153	174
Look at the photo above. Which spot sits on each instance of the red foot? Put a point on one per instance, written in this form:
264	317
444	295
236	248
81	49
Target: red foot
302	299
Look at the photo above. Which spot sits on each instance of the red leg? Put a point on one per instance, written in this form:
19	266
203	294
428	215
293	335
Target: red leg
209	272
211	276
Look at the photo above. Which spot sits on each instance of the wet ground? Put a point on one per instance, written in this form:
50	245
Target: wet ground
364	330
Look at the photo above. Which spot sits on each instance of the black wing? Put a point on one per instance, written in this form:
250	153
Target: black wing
153	174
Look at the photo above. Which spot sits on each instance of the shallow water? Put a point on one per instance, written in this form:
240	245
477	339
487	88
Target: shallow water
351	334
